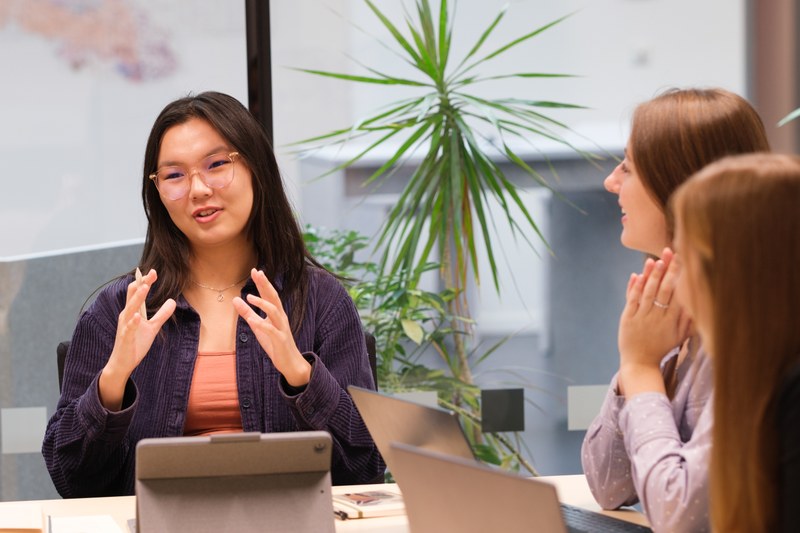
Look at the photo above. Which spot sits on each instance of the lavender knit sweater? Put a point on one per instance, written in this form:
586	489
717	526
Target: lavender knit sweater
90	451
656	450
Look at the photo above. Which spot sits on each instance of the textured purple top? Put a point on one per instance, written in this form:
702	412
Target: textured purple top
656	450
90	451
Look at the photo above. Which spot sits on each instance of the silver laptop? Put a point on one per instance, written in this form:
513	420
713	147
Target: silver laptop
445	493
235	482
391	419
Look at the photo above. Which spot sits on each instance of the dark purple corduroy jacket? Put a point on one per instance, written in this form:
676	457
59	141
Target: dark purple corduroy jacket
90	451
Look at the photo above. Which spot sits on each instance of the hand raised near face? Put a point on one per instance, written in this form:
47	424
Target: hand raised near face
653	322
135	335
273	331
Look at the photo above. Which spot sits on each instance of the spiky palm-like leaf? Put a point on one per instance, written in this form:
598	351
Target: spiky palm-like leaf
458	141
449	190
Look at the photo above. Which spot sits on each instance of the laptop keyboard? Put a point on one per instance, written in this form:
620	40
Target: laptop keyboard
580	520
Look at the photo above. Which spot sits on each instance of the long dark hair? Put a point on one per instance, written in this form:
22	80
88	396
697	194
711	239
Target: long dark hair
272	228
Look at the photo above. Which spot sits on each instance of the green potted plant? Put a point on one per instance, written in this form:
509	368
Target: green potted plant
441	214
406	321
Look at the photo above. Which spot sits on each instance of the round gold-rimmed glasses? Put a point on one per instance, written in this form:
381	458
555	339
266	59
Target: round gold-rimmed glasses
216	171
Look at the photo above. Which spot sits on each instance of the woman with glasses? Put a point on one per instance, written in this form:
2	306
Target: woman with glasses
650	442
232	327
738	239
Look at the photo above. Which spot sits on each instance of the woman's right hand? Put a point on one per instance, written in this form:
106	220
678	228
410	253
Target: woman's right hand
135	335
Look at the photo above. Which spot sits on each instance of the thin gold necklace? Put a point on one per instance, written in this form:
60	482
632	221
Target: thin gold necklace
220	295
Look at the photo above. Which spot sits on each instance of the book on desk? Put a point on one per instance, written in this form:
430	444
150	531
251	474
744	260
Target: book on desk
368	504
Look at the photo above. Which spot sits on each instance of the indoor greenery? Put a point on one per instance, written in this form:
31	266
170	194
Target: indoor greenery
456	143
790	117
406	322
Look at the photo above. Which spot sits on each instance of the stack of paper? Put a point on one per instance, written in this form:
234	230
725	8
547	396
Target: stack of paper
21	517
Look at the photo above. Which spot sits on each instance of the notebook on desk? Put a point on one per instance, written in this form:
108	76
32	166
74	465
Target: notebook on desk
446	493
235	482
391	419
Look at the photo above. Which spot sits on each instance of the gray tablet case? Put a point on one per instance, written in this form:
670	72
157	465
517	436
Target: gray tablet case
390	419
240	482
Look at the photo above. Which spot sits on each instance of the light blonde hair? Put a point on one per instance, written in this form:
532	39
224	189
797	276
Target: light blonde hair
739	220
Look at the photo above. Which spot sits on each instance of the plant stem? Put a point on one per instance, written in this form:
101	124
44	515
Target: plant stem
502	439
516	453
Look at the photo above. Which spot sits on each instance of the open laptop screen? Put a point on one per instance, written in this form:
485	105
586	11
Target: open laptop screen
445	493
391	419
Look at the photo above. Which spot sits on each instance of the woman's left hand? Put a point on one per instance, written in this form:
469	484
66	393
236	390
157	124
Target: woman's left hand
273	331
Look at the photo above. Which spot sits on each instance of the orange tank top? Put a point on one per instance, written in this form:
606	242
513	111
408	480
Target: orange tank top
213	396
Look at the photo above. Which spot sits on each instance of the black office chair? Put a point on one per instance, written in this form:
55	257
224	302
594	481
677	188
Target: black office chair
373	358
61	356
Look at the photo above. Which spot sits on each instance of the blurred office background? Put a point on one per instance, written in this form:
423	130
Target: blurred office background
83	81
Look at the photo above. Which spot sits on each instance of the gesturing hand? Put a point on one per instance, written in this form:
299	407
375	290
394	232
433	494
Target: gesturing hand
135	335
274	332
652	323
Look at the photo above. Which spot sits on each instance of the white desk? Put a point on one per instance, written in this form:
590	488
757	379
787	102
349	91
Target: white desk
571	489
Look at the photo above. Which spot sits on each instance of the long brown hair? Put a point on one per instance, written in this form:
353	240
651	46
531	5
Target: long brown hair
272	227
739	224
682	130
